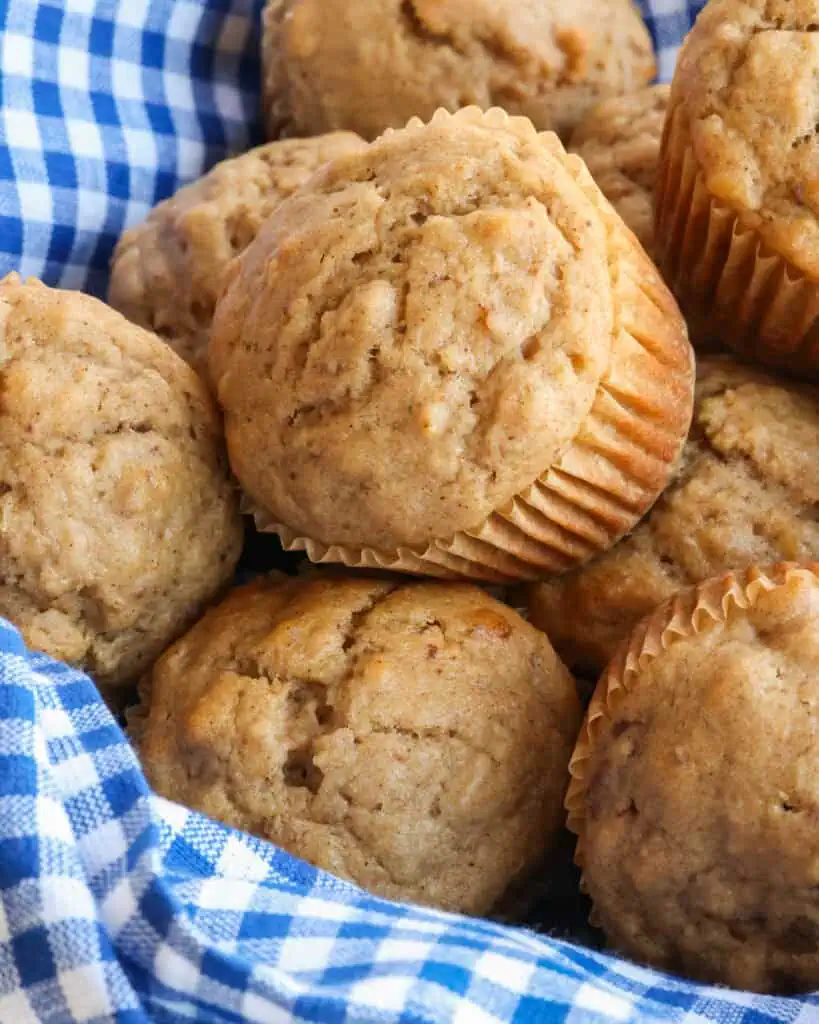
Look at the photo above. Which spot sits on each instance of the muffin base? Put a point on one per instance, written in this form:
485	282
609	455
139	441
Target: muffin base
734	289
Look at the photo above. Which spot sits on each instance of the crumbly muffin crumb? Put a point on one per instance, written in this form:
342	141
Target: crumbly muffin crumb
411	737
417	335
619	140
117	517
699	841
166	273
745	79
386	61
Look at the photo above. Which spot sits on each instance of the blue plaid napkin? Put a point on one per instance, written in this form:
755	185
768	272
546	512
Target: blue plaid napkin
117	905
120	906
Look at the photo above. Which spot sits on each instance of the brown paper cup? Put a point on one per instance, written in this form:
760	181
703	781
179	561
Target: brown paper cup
705	606
617	465
735	290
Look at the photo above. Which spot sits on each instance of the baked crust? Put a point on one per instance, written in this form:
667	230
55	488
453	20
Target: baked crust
413	738
118	521
166	273
619	141
448	354
694	784
386	61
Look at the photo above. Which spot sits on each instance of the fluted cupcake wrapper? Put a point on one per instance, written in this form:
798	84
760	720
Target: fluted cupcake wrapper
617	464
694	610
735	290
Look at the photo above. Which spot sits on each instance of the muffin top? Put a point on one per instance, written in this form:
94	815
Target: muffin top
746	492
411	737
697	794
166	273
117	517
417	335
386	61
619	140
746	81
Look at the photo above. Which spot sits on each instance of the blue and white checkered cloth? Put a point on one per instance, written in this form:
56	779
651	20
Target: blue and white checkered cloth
119	906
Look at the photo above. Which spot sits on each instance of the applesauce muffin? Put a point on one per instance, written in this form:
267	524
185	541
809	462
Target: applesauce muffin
166	272
446	354
619	140
413	738
737	197
694	790
385	61
117	517
746	493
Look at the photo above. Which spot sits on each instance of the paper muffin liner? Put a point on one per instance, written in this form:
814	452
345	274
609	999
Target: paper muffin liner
734	289
617	464
694	610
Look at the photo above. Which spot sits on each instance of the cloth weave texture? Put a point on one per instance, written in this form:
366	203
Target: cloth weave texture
116	905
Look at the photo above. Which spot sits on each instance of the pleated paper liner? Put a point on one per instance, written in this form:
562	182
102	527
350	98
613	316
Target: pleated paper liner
694	610
734	289
615	468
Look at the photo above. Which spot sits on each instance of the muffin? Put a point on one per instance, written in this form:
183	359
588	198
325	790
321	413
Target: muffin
746	493
117	518
385	61
619	141
694	791
737	197
166	272
446	354
413	738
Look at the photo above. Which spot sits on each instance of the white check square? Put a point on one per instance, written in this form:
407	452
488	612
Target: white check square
512	974
17	55
238	860
176	971
73	69
86	992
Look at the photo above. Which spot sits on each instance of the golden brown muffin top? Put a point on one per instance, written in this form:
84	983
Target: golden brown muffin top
117	517
385	61
166	272
746	492
412	737
619	140
746	79
700	845
417	335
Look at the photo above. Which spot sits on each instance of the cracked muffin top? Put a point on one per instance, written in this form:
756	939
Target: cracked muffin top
413	738
117	517
166	273
386	61
746	493
745	83
619	141
420	334
696	797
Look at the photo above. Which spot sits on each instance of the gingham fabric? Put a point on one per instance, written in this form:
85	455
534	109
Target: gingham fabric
119	906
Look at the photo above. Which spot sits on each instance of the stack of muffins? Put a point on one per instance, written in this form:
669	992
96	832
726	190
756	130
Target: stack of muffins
444	358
